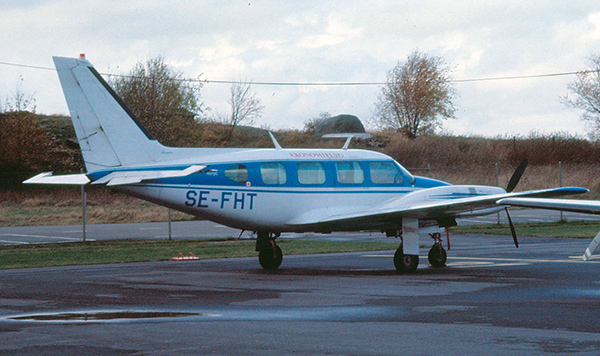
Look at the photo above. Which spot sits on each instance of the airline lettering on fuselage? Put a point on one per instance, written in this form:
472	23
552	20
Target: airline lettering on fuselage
316	155
224	199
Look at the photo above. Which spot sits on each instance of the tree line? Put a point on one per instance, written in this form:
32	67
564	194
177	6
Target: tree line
417	96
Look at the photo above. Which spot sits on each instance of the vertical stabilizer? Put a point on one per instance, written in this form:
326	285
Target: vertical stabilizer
108	132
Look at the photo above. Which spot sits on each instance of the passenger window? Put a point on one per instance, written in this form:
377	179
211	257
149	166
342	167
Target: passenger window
349	172
311	173
238	173
273	173
385	173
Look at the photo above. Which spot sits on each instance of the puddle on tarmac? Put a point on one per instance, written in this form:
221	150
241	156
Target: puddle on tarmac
335	313
104	316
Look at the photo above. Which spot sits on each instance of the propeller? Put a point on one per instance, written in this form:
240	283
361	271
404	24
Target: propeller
512	228
514	180
512	183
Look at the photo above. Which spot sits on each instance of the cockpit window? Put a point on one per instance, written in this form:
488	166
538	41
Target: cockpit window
273	173
349	172
385	173
311	173
238	173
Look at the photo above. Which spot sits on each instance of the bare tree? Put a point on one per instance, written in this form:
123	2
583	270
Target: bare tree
311	124
586	90
20	100
245	107
417	95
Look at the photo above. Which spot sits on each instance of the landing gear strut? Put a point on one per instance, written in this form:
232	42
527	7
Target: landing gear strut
437	255
269	254
405	263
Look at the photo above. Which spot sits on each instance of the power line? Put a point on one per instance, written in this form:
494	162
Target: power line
298	83
25	66
548	75
209	81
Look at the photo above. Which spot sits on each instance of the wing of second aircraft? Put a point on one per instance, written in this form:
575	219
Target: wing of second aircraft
577	206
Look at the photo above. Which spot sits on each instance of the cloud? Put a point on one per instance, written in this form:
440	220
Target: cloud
318	41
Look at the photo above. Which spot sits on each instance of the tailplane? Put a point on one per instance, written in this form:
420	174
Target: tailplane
109	134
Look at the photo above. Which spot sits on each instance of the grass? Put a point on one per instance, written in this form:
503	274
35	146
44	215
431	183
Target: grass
124	251
572	229
127	251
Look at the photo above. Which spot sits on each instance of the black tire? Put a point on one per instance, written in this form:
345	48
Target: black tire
405	263
437	256
270	258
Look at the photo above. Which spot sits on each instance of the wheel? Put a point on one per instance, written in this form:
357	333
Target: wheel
437	256
270	257
405	263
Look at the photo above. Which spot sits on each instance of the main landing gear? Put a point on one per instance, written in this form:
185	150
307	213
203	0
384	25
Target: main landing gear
408	263
405	263
269	254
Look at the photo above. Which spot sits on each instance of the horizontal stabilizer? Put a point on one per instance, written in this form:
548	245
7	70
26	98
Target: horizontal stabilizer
348	137
133	177
68	179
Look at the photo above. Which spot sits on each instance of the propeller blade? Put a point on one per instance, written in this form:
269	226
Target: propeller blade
512	229
514	180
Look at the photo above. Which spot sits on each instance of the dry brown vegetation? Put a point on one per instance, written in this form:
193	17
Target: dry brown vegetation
472	160
458	160
62	206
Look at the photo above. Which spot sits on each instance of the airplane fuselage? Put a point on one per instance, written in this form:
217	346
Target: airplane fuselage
283	190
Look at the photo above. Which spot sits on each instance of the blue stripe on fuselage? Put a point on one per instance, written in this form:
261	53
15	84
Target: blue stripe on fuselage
214	175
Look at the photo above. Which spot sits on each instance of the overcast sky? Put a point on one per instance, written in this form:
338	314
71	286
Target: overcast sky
318	41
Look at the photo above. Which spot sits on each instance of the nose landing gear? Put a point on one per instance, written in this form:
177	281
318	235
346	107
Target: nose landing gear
437	255
269	254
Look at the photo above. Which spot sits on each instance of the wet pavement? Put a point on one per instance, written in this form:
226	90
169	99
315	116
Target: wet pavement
492	299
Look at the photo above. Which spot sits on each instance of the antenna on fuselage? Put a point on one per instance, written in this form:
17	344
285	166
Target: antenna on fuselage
277	145
349	136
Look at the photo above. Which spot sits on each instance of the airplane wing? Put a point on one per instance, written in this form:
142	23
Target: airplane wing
577	206
442	203
114	178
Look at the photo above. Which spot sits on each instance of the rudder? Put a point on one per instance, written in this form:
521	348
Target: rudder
108	132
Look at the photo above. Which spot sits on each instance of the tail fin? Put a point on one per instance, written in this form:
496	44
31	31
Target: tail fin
108	132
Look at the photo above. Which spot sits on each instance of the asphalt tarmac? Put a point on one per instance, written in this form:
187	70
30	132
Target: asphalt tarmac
491	299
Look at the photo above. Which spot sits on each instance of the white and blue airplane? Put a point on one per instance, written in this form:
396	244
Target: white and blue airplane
267	191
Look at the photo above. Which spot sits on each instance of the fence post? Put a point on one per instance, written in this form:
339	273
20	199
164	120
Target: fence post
83	207
497	185
169	217
560	184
